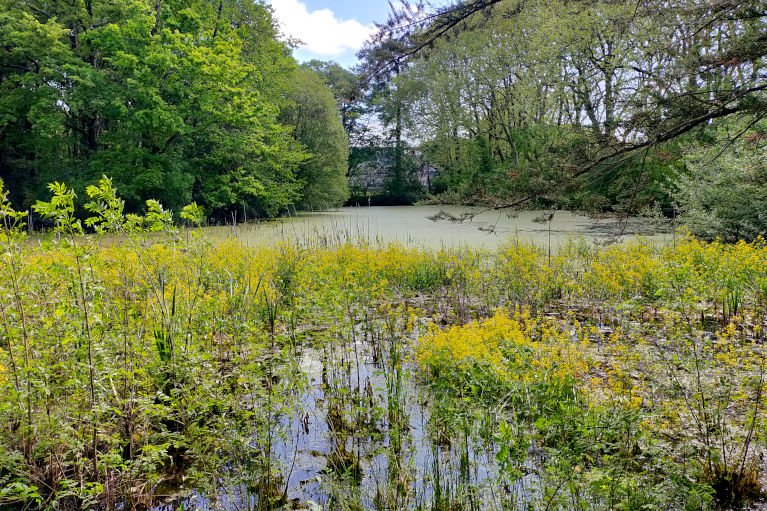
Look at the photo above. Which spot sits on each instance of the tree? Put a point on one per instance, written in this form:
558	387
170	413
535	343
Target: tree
175	99
722	191
317	124
391	96
620	78
345	86
32	53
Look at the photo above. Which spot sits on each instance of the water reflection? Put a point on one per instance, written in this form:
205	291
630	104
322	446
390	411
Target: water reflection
364	435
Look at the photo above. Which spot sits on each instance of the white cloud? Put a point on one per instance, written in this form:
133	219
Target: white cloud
320	32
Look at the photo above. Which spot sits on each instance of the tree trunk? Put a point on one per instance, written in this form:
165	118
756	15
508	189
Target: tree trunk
157	14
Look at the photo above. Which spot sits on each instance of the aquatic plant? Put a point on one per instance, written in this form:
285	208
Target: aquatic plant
139	362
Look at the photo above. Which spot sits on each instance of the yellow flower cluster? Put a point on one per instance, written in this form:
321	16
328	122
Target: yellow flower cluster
690	271
516	347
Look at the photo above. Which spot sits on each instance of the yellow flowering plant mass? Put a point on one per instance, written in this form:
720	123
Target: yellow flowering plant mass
140	352
517	347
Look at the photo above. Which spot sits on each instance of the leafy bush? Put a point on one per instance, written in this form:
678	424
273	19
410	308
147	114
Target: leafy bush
724	192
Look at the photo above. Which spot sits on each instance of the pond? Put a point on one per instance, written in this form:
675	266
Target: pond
436	226
360	427
362	432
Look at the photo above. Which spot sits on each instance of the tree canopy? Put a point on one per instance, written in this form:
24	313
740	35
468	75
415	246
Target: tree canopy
178	100
571	102
318	125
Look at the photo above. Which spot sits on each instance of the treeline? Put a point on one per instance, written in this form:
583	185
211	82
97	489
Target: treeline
383	164
178	100
600	105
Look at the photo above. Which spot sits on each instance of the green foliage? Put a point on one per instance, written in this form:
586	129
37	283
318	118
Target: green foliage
193	214
345	86
60	210
106	206
723	191
157	218
174	101
586	105
391	95
317	125
13	222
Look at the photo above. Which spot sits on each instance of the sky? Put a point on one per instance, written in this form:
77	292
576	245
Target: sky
329	29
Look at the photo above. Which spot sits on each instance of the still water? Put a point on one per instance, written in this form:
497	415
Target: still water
417	226
338	440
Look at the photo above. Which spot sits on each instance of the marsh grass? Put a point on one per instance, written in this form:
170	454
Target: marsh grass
143	366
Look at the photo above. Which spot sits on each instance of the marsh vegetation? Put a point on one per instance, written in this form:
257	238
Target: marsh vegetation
147	362
145	367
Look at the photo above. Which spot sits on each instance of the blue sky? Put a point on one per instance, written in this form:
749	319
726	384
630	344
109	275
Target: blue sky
329	29
361	10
